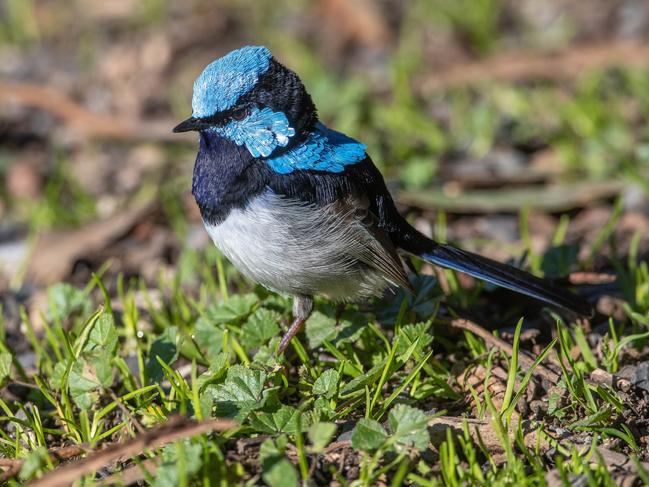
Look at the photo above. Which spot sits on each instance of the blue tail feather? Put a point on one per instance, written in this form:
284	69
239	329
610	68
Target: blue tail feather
505	276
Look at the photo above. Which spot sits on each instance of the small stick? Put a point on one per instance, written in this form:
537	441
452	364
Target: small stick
12	471
127	413
81	121
501	344
177	428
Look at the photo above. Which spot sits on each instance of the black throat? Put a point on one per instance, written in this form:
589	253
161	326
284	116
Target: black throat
225	177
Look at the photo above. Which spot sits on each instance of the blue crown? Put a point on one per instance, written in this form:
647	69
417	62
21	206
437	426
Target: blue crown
228	78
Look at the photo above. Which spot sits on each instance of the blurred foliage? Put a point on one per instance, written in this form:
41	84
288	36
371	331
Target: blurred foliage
594	125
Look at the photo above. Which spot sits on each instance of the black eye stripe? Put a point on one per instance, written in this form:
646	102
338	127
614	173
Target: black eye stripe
216	119
239	114
222	118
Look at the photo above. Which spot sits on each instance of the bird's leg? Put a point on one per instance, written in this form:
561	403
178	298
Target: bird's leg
302	307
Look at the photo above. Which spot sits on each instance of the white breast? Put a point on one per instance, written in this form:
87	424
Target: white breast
296	248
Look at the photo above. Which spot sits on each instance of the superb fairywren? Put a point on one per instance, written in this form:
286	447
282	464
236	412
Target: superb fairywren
301	208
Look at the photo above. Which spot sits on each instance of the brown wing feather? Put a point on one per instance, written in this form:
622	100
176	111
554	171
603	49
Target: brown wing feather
378	251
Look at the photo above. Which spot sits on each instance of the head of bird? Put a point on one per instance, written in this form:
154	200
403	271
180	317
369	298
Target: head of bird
248	97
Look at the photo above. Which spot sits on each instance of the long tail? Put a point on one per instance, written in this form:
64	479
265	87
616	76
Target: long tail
505	276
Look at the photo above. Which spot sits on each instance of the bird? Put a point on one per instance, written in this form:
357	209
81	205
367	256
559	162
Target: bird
301	208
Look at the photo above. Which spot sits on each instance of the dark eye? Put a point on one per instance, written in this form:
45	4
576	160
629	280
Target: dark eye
239	114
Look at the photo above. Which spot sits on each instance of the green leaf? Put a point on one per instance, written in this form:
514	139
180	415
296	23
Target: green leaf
265	356
206	402
321	328
103	365
320	434
277	471
411	333
185	453
57	375
269	451
364	379
282	473
103	336
209	338
99	350
260	327
327	384
555	401
368	435
218	367
241	393
558	260
323	409
35	461
5	367
284	420
65	300
409	426
165	347
232	309
82	381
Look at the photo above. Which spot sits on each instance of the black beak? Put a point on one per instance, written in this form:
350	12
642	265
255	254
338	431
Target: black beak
192	123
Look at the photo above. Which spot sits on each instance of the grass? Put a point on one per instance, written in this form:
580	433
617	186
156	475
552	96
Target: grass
107	362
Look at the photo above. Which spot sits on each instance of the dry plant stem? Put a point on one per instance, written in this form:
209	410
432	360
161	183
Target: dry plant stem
79	120
591	278
134	421
11	472
527	65
491	340
177	428
9	462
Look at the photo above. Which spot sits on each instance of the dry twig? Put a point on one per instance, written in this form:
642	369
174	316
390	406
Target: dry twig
175	429
493	341
81	121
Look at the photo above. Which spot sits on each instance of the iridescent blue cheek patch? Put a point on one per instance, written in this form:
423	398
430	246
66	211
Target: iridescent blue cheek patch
262	131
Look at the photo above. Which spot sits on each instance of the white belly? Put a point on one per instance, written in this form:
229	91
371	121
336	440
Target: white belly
299	249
